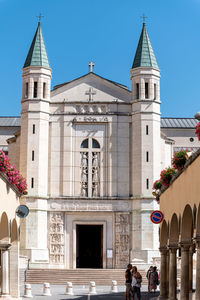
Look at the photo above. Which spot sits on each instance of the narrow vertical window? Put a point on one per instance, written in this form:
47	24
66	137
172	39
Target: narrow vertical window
32	182
137	91
147	130
26	90
147	183
44	89
35	90
33	155
33	128
147	156
155	95
146	90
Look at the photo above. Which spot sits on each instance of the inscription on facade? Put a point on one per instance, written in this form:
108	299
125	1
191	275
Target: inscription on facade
56	236
90	205
90	119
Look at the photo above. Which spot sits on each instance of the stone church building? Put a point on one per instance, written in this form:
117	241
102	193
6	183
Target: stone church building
91	150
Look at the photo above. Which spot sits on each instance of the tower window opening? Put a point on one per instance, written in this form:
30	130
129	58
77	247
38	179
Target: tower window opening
147	183
32	182
147	130
137	91
155	95
33	128
35	89
147	156
146	90
26	90
44	89
33	155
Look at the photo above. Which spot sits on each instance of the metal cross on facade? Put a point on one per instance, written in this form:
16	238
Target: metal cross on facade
90	93
144	17
91	67
40	17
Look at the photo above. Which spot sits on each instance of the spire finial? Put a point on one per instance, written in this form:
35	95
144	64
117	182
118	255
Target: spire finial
144	17
40	17
91	66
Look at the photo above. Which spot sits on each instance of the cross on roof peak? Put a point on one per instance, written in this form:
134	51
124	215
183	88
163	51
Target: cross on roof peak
40	17
144	17
91	66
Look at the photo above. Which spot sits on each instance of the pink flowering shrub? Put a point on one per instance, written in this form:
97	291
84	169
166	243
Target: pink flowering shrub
197	132
12	173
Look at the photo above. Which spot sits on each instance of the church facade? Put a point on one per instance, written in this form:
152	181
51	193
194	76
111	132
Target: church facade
90	150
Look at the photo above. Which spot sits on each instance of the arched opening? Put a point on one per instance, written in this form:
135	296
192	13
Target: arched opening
198	223
14	231
187	225
179	224
95	144
84	144
4	232
163	234
194	216
174	232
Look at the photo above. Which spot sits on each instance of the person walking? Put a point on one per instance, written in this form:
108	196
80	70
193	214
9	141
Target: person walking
154	280
128	277
136	283
148	276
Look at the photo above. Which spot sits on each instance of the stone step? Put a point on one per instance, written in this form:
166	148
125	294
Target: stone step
78	276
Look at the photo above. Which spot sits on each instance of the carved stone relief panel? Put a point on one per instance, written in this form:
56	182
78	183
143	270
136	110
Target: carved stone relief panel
84	174
56	238
95	174
122	239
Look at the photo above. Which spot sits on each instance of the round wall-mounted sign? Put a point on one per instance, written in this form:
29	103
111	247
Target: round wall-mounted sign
157	217
22	211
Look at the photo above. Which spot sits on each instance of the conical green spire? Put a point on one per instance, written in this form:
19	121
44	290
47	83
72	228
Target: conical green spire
145	56
37	55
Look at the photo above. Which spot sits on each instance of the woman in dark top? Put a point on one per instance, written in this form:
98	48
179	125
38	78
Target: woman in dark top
128	276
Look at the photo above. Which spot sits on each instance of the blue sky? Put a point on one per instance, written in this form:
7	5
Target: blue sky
107	32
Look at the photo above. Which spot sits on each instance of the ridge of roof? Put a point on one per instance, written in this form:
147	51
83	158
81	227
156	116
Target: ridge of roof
145	56
111	81
37	55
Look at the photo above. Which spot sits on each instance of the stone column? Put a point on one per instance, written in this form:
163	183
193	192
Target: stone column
163	273
184	294
5	273
191	252
167	279
198	269
172	273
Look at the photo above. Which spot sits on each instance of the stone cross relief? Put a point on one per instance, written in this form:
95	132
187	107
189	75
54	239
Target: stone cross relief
90	93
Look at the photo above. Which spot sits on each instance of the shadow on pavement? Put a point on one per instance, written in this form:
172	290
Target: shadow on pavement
116	296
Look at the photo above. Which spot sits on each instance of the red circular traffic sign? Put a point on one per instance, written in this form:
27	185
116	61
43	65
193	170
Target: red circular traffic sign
157	217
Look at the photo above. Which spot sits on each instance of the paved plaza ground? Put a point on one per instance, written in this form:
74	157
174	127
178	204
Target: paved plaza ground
81	293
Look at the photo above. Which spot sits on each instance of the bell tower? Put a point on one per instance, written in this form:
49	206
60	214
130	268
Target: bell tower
145	77
34	142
